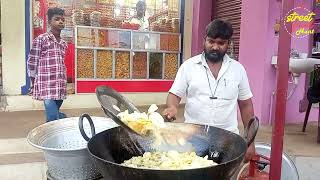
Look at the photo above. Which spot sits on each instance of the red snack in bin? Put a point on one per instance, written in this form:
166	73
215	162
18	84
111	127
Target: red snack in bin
135	26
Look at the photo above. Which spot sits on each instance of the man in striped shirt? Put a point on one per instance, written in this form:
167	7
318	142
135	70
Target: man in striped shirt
46	67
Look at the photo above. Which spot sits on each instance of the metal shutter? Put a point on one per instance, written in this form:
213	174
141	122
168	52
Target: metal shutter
230	10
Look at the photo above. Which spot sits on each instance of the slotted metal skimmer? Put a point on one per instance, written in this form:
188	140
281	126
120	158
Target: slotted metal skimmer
170	137
110	100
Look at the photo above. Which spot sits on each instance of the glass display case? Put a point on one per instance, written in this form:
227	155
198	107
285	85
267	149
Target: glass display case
110	54
105	46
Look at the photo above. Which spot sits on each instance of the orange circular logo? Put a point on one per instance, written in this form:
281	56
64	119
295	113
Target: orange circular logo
301	21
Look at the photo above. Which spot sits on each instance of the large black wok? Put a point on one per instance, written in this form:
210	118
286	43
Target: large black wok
110	148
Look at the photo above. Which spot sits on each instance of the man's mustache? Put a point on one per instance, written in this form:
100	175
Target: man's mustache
214	52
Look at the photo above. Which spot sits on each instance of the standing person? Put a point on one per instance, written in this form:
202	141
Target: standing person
140	17
46	67
213	84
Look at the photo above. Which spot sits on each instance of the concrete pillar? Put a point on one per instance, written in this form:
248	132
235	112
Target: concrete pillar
13	47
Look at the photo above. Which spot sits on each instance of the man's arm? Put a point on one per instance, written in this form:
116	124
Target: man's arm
246	110
33	59
176	92
32	62
173	100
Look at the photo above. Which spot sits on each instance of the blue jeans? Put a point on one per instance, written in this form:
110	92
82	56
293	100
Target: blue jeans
52	108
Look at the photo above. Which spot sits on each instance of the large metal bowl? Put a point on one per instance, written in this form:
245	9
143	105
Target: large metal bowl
64	148
288	168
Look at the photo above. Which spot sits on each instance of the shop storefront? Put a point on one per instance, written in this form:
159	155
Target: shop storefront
109	44
146	85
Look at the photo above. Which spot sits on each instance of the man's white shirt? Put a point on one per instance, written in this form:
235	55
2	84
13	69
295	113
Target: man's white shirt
231	85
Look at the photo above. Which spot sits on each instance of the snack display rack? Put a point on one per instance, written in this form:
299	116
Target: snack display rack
127	60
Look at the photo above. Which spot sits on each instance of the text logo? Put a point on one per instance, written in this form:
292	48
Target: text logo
301	21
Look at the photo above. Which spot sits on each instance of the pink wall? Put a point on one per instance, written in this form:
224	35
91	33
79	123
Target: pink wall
202	11
302	45
262	74
268	103
253	50
257	45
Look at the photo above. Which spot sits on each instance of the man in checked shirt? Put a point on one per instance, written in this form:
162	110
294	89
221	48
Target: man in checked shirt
46	67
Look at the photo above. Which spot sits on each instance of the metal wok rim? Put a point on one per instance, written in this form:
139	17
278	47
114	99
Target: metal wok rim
62	128
117	164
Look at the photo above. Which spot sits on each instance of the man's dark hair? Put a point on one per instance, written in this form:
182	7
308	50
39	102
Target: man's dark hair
141	3
219	29
54	11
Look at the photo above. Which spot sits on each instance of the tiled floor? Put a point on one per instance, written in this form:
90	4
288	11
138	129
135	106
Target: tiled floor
16	146
21	161
27	171
308	167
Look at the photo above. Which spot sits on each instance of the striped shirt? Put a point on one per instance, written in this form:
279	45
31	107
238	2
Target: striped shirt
46	64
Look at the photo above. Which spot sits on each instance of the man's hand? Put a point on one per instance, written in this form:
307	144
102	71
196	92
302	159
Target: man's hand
31	86
170	113
251	151
30	91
